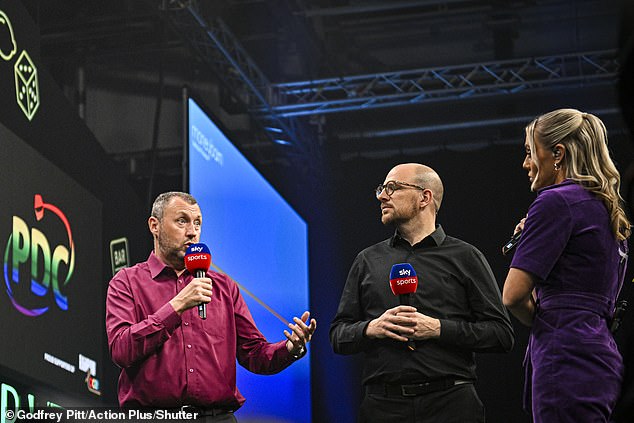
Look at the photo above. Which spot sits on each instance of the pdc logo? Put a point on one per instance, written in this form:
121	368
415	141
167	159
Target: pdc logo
29	258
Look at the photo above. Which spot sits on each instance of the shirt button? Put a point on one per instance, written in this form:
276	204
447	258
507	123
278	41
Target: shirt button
191	370
189	345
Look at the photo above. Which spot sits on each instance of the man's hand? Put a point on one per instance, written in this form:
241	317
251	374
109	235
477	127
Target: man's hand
393	324
300	334
198	290
425	327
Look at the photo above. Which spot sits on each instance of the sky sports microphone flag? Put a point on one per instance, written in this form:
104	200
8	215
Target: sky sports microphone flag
197	262
403	281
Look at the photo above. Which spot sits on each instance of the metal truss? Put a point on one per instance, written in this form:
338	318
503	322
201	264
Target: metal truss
277	107
217	47
408	87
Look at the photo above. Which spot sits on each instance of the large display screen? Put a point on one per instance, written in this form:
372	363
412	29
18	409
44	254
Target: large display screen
51	302
257	238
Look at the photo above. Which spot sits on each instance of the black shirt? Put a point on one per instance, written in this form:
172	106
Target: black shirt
455	285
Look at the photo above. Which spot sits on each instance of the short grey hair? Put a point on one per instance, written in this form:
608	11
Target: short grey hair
163	199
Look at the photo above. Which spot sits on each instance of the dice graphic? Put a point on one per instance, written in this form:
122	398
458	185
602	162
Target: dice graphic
26	87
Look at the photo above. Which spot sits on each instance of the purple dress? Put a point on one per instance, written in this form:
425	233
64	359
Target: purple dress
573	367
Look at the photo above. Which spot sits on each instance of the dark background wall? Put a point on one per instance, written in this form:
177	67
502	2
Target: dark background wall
60	136
486	193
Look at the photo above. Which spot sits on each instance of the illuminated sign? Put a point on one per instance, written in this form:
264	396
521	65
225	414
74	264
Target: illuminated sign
26	87
51	250
26	244
92	383
89	366
27	92
11	401
119	257
51	255
7	53
251	227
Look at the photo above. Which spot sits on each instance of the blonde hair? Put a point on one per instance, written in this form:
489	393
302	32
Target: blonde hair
587	158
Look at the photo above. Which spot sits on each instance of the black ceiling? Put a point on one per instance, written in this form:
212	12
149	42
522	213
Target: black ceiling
334	42
301	40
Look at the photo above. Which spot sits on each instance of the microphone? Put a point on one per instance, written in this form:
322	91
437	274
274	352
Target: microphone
506	248
197	262
403	282
617	318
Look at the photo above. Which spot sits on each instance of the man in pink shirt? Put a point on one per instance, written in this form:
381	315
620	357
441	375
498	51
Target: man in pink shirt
169	357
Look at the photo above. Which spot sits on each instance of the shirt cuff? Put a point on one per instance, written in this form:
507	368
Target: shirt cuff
448	330
364	328
361	338
298	355
168	317
283	354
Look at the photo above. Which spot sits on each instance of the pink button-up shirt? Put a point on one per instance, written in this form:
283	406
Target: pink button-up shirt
169	360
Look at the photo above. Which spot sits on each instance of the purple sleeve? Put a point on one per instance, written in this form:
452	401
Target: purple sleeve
546	232
131	341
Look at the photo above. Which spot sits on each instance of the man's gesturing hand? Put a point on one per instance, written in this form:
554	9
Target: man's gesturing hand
300	334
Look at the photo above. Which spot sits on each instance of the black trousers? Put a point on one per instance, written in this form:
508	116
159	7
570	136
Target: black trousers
458	404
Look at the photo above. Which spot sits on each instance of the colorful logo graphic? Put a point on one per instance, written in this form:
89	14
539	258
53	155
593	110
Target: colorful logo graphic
89	366
25	244
92	383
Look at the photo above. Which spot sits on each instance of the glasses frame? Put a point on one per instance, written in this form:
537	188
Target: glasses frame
378	190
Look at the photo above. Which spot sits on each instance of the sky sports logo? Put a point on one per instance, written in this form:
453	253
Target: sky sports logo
197	257
406	281
29	257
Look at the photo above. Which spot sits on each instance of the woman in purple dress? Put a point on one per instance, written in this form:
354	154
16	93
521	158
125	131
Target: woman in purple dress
568	270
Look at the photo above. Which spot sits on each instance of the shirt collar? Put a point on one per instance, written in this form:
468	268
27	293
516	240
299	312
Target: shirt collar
436	238
156	266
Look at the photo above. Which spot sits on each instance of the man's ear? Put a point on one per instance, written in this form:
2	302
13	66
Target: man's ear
427	197
153	224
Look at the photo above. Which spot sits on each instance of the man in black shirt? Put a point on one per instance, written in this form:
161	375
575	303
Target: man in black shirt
456	311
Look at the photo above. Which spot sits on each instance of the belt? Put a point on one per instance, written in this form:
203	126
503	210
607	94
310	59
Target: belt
594	303
415	389
204	411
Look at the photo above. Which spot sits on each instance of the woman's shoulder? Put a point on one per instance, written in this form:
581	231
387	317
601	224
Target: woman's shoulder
563	194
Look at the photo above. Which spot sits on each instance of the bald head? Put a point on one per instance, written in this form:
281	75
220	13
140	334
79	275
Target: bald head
424	176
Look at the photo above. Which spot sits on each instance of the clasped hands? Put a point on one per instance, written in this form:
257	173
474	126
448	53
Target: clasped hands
402	323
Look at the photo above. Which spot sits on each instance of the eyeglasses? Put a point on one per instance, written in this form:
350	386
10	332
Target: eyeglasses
391	186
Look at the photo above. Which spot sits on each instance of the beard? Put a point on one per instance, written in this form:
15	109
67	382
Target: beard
173	253
396	216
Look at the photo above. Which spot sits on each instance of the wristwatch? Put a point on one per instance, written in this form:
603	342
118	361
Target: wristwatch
299	354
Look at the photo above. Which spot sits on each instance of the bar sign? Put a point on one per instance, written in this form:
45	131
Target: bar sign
119	256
